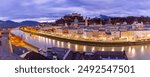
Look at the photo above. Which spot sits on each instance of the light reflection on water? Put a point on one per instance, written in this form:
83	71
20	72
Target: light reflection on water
122	49
133	52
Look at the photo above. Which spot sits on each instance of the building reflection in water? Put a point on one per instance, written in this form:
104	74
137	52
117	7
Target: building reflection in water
76	47
129	49
93	49
132	51
58	43
122	49
142	49
103	49
69	45
62	44
84	48
113	49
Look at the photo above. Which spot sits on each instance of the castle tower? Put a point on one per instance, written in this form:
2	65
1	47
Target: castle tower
101	22
86	21
76	22
66	25
109	22
94	24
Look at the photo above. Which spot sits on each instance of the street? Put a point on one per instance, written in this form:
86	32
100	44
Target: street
5	49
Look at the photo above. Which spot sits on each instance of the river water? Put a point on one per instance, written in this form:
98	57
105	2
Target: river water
138	52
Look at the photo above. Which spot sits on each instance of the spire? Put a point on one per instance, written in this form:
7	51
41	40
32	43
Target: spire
86	21
101	21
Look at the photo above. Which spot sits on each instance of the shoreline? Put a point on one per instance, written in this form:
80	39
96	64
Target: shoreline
105	44
36	48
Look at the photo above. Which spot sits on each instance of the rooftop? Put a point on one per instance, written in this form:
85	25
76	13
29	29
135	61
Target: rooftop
65	54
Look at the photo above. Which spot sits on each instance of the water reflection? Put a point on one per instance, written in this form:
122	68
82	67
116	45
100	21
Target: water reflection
113	49
142	49
93	49
76	47
69	45
133	52
129	50
84	48
122	49
62	44
103	49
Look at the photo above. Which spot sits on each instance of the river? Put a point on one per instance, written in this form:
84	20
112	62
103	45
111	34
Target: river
138	52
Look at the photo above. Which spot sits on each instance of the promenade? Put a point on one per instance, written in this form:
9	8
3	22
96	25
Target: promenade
5	50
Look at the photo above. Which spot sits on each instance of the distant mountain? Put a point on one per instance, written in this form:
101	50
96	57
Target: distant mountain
30	23
104	17
10	23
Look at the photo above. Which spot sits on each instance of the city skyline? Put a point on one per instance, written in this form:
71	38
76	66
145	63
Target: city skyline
47	10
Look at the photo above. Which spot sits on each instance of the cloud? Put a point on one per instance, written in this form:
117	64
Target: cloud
43	19
52	9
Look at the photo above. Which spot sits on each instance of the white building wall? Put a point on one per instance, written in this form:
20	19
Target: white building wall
141	33
115	33
73	32
60	31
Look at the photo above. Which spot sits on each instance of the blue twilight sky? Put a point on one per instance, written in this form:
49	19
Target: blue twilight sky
44	10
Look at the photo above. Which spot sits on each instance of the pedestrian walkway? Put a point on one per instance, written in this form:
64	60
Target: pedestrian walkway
5	50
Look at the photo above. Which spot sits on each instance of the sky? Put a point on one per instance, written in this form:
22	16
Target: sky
48	10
